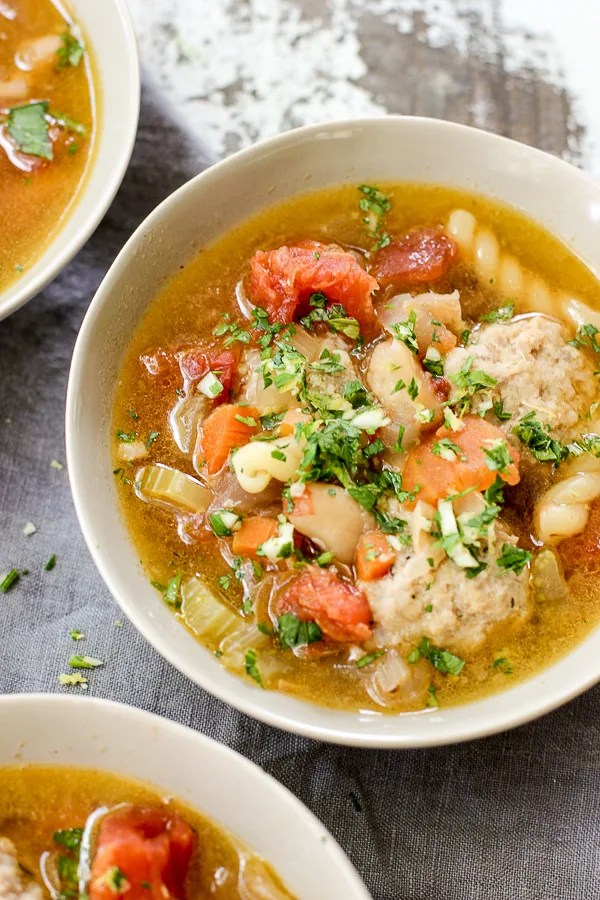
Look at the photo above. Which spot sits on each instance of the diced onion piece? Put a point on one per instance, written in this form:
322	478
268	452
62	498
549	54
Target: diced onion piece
39	51
255	882
184	418
547	581
421	524
130	451
205	614
174	488
371	419
452	421
447	518
337	522
281	544
306	344
210	386
235	645
392	683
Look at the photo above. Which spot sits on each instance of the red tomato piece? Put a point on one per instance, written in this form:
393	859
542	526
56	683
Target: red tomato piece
282	280
142	854
319	595
421	256
197	363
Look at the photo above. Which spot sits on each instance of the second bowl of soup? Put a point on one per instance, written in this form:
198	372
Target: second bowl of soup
351	428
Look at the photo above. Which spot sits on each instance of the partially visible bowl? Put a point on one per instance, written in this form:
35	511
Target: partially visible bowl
110	38
557	195
226	787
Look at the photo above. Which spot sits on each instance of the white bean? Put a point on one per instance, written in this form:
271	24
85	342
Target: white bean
510	276
487	254
555	523
461	226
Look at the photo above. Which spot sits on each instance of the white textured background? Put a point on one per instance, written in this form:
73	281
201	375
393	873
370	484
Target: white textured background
237	71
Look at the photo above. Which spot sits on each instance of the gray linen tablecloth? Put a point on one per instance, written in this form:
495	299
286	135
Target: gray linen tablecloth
513	816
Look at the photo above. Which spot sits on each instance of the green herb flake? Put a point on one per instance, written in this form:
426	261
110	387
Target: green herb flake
497	457
51	563
28	127
544	448
502	314
442	660
413	389
116	880
71	52
246	420
225	582
9	580
68	837
405	332
369	658
431	701
153	436
294	633
513	559
172	595
499	411
126	437
76	635
502	665
251	660
84	662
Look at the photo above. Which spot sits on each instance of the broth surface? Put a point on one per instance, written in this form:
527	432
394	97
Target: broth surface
36	801
190	307
37	193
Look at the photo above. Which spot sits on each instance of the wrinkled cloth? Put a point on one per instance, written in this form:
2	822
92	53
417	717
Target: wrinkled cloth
512	817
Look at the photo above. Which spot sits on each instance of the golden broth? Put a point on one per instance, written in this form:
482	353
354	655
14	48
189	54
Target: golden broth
190	306
36	801
37	193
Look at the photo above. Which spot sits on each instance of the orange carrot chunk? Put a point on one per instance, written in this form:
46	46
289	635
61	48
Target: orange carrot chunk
227	427
472	467
319	595
254	531
374	556
300	506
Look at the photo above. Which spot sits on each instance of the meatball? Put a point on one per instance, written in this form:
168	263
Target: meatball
455	612
536	370
13	886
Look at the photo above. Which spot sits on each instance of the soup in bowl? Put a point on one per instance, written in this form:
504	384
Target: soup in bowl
59	66
354	438
84	813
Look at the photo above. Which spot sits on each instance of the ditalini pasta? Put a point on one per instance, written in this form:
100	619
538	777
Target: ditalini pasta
357	450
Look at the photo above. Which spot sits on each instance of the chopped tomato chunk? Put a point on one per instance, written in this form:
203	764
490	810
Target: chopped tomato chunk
440	477
374	556
229	426
319	595
300	506
421	256
282	281
141	854
583	550
195	364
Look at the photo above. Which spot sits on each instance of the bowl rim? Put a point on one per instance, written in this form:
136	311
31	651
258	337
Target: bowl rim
107	714
456	732
58	261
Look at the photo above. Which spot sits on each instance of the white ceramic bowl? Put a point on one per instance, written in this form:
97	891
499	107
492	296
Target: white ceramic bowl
230	790
556	194
110	37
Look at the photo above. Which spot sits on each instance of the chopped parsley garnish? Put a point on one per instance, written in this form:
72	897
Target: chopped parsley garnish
448	450
233	331
494	494
399	386
126	437
503	665
71	52
269	422
246	420
586	337
532	433
502	314
328	363
67	868
133	414
28	127
369	658
324	558
67	122
84	662
8	580
223	522
171	595
431	701
497	457
513	559
464	336
116	880
50	564
356	394
225	582
68	837
413	389
336	318
153	436
499	411
292	632
467	383
442	660
434	363
405	332
375	204
76	635
251	660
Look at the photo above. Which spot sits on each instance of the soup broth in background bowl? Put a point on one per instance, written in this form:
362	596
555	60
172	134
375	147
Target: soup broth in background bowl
82	808
407	307
69	105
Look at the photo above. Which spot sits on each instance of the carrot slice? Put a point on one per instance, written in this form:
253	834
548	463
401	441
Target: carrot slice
439	477
254	531
374	556
291	419
227	427
338	607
